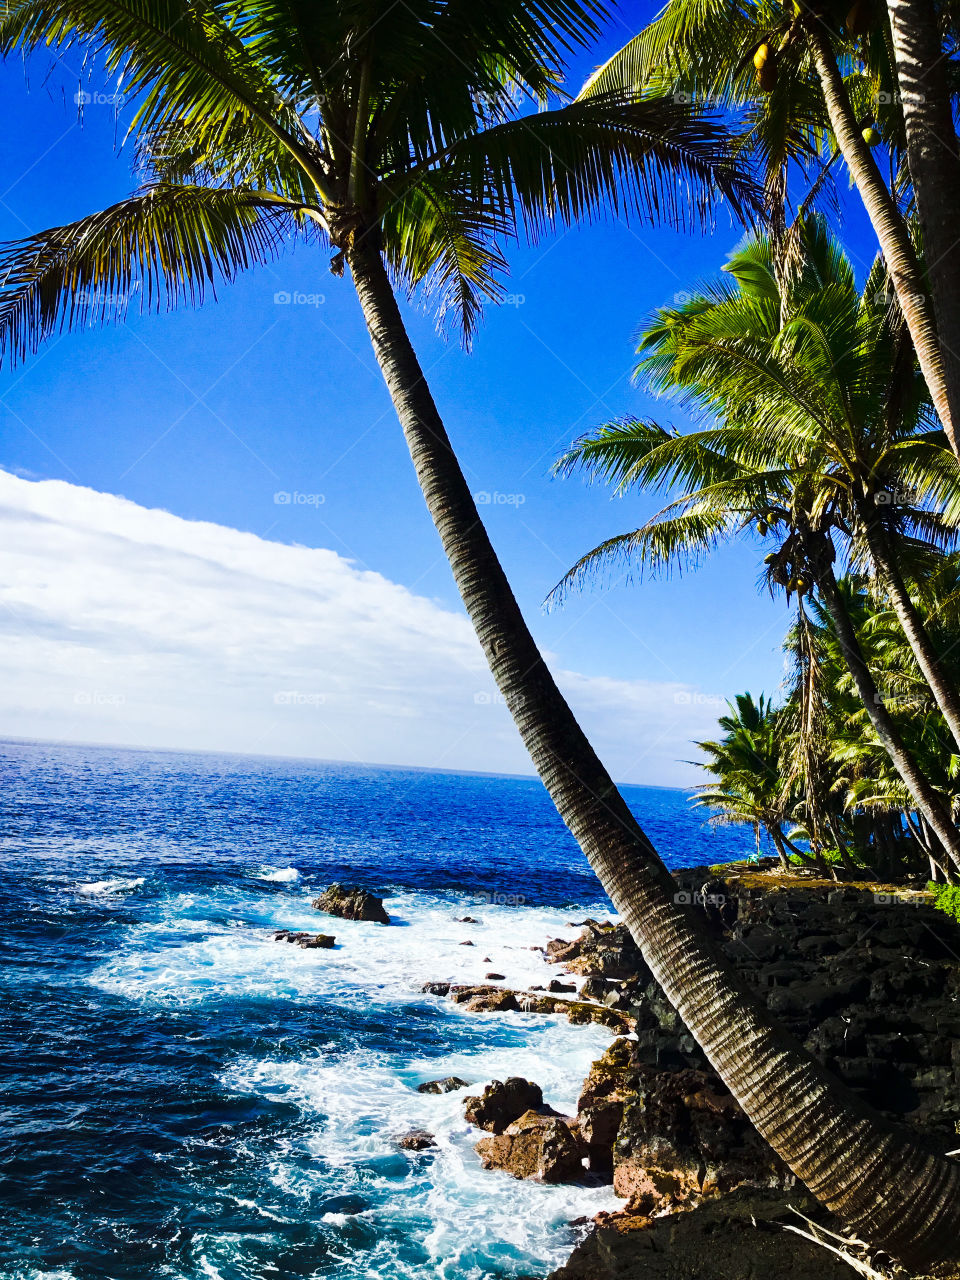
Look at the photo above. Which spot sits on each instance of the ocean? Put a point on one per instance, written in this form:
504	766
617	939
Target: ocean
184	1097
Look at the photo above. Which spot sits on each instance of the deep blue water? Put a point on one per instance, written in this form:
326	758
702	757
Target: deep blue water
184	1097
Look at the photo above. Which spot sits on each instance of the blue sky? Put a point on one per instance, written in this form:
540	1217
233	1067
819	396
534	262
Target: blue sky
210	414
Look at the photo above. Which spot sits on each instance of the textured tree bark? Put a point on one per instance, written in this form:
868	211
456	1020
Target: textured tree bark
898	251
934	168
927	800
884	1181
928	660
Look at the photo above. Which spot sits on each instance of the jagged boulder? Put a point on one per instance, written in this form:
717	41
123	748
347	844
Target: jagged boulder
502	1102
675	1135
310	941
416	1140
351	903
449	1084
546	1148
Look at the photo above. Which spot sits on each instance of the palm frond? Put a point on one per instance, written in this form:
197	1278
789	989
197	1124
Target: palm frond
162	247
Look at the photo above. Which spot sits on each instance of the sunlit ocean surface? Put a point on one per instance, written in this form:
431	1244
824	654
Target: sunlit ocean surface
184	1097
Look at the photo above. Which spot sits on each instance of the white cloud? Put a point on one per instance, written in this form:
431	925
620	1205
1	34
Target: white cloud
128	625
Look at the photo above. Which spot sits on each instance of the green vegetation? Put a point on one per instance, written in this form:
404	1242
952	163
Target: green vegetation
410	143
946	897
816	443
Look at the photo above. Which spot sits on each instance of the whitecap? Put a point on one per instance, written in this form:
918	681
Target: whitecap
280	875
110	886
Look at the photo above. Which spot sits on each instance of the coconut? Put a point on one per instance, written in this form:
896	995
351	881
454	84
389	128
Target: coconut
771	558
767	75
870	136
860	18
761	55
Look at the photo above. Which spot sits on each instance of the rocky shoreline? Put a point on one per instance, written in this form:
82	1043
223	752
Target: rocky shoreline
867	977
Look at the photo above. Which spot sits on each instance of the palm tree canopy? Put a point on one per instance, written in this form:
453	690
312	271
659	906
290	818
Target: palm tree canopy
704	50
425	126
812	409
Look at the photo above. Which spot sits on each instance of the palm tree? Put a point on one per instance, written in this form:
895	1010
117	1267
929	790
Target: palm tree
392	132
876	799
818	421
923	77
749	787
819	90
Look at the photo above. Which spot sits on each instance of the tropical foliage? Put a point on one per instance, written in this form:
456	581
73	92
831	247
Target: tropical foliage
818	440
861	819
410	142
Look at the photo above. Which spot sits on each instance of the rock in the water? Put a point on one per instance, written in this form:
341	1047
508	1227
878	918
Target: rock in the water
496	1001
449	1084
467	920
308	940
494	976
416	1140
502	1102
546	1148
559	988
468	943
351	903
436	988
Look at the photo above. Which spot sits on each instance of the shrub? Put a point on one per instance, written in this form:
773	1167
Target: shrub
946	897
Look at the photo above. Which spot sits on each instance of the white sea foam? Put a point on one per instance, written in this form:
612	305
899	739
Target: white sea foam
110	886
434	1214
37	1275
175	960
281	875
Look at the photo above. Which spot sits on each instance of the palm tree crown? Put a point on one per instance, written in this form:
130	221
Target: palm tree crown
415	126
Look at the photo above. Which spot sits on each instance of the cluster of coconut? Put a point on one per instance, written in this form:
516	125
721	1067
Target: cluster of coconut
860	20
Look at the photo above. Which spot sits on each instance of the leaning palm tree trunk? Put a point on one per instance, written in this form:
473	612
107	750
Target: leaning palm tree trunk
883	1181
927	800
899	254
928	660
934	167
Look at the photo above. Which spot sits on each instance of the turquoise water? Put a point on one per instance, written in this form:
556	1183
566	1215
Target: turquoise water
184	1097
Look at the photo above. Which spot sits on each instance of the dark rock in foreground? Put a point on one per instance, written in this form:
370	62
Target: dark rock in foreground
351	903
544	1147
669	1138
416	1140
740	1237
868	978
502	1102
449	1084
310	941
